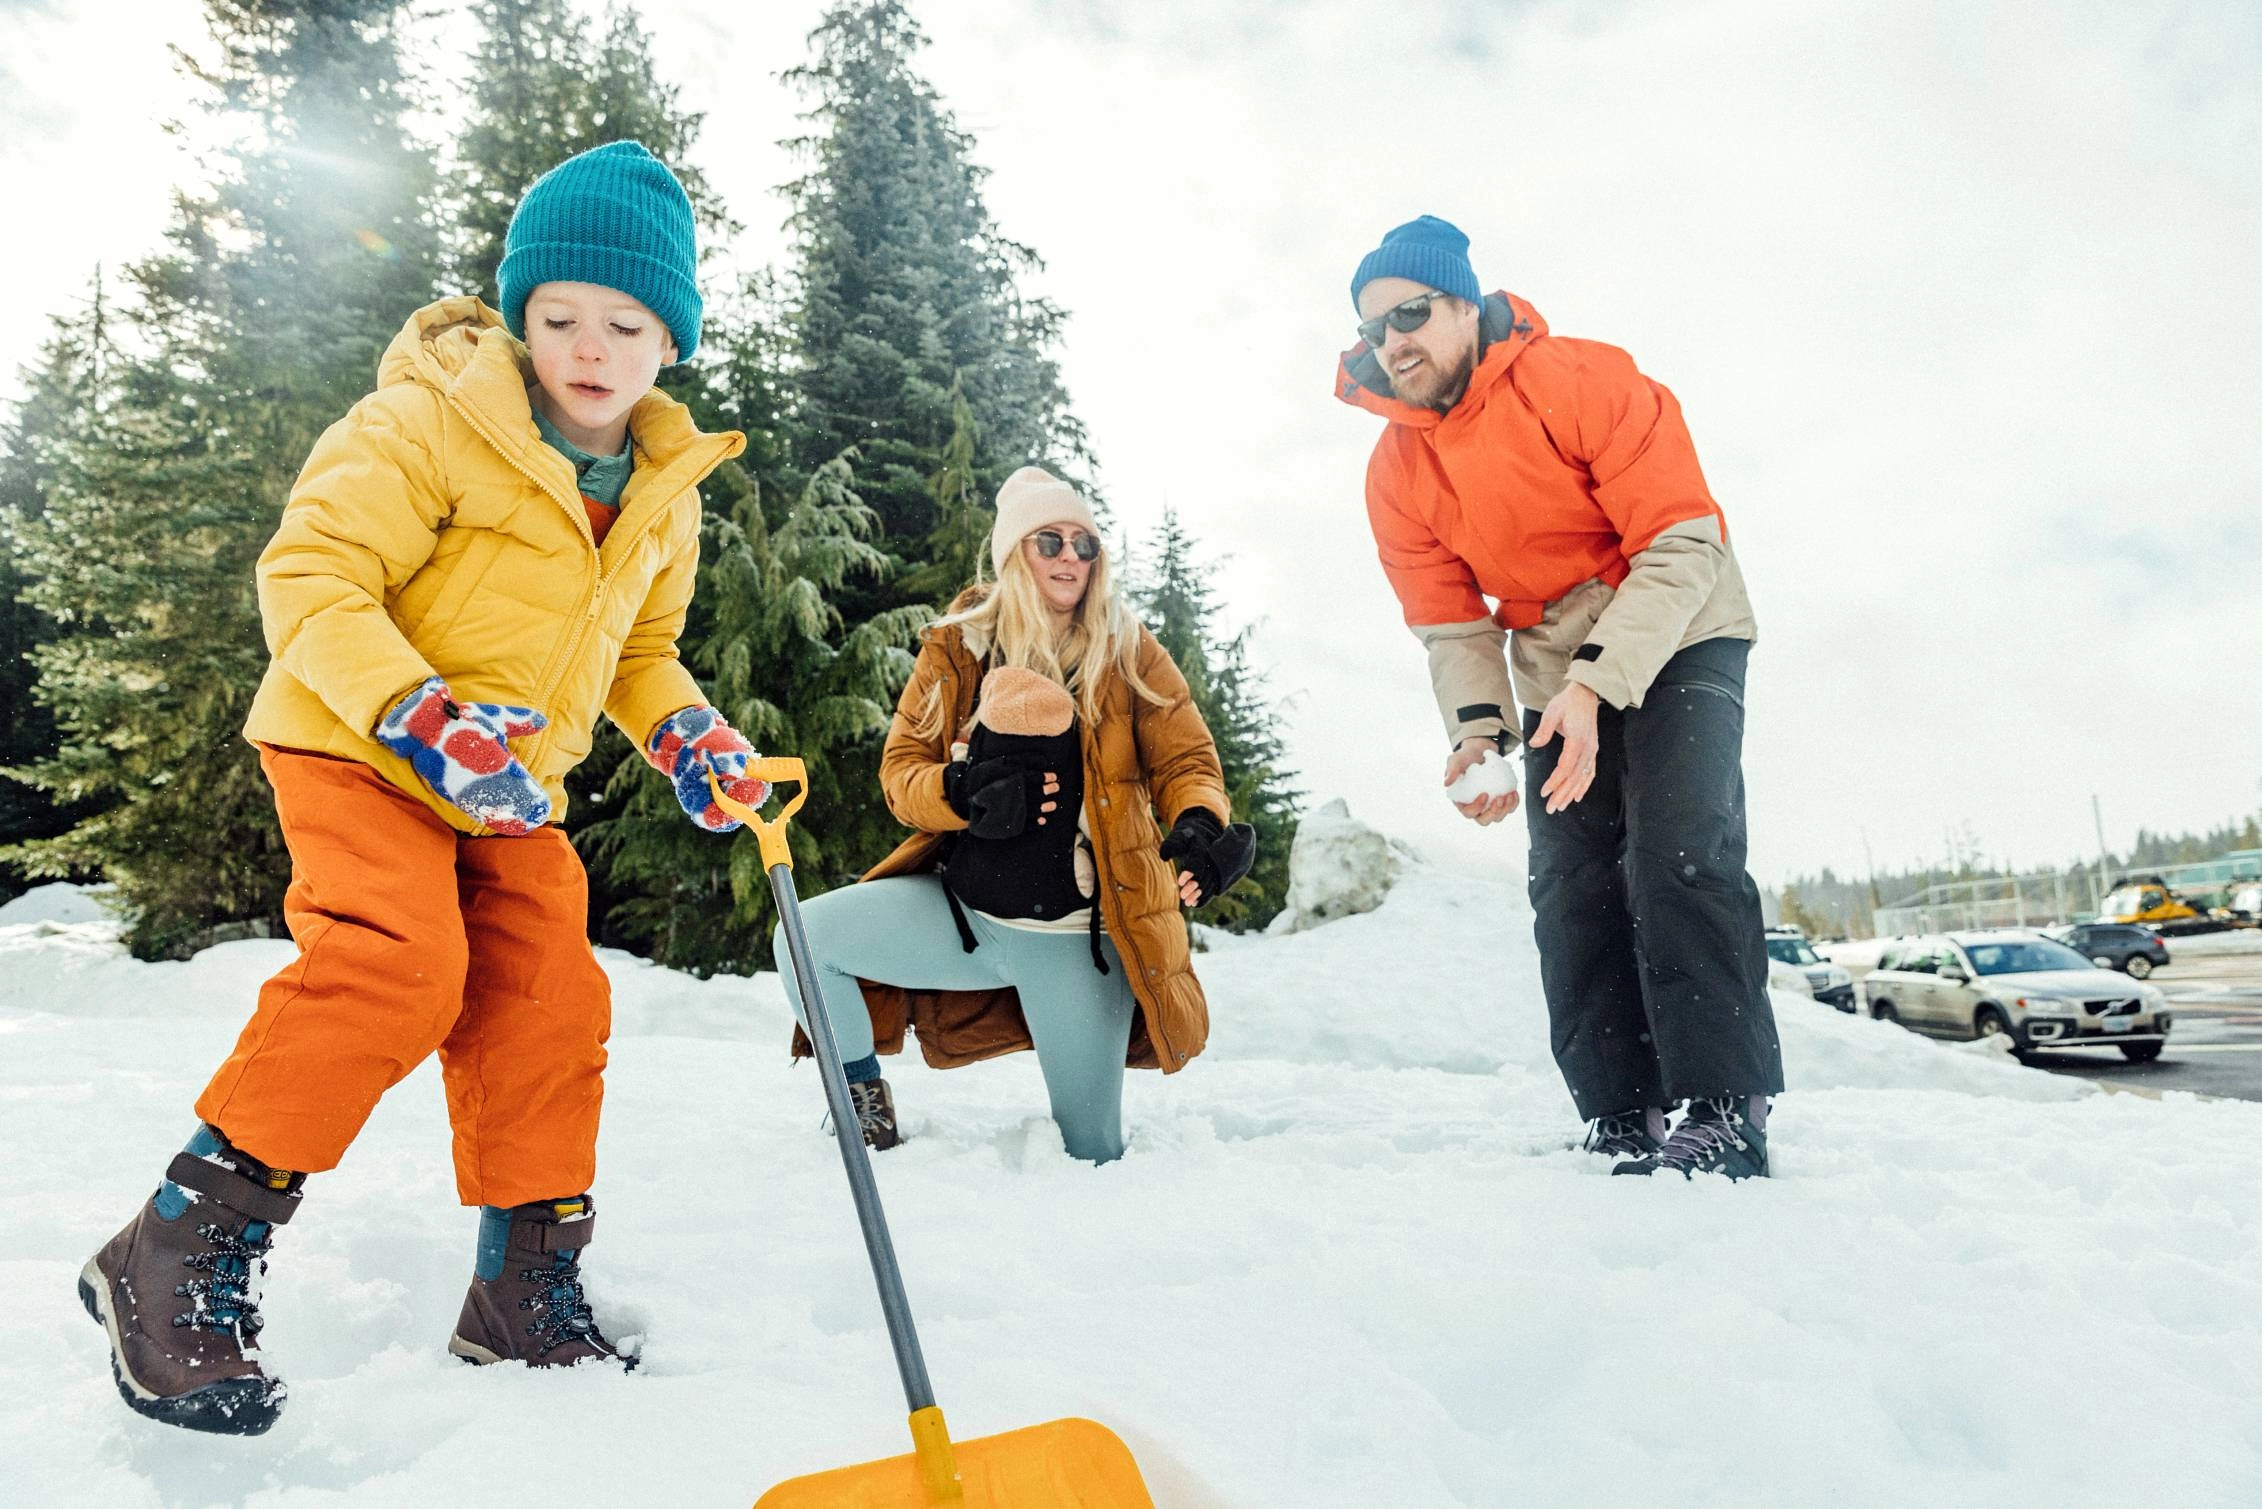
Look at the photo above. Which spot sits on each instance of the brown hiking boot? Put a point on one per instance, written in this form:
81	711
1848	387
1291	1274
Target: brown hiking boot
530	1307
874	1103
178	1292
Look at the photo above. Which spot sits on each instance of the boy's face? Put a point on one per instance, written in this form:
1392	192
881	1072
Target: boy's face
596	352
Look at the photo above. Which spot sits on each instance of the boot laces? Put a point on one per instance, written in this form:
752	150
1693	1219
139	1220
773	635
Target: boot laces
224	1300
1702	1137
1622	1131
562	1312
871	1111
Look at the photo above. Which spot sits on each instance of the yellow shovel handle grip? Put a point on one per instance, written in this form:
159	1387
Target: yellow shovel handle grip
938	1463
770	831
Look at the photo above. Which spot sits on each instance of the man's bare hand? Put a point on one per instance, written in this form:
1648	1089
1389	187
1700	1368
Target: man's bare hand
1571	712
1485	810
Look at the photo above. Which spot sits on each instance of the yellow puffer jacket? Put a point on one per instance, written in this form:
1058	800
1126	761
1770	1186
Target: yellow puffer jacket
434	533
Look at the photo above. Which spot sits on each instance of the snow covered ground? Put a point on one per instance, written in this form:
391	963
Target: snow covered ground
1350	1260
2204	945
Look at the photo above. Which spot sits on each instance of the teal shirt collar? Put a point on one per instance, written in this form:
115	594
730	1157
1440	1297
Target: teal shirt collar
603	478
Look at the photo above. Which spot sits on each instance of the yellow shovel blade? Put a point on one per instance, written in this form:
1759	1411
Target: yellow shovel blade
1062	1464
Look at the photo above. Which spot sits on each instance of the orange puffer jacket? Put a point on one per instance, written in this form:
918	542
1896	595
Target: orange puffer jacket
1560	463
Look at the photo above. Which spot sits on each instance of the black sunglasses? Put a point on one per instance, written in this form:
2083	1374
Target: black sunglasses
1049	543
1405	319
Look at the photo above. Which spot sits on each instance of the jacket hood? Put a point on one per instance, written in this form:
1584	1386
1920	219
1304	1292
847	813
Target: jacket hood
460	349
1505	327
969	637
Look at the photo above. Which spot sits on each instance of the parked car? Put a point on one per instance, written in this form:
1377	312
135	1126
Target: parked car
2246	903
2007	980
1788	978
1826	982
2134	951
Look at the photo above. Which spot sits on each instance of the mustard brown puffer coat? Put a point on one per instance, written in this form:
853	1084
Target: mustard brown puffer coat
1143	765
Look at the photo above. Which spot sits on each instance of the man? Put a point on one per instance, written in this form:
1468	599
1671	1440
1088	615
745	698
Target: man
1538	493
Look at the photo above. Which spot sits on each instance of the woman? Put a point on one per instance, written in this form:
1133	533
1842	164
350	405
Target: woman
1042	732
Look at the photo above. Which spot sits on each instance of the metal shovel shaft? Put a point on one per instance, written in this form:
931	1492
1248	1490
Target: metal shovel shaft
909	1361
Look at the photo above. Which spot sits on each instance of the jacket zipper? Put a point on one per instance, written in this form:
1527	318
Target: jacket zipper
603	578
581	519
596	557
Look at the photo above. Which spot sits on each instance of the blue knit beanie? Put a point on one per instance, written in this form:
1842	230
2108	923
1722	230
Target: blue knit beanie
613	216
1428	250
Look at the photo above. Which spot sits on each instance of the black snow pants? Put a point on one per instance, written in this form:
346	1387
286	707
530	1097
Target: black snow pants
1652	949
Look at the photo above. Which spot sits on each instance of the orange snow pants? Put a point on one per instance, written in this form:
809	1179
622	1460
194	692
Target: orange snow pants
413	938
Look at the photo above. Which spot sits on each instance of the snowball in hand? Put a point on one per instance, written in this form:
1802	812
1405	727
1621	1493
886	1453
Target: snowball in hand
1494	775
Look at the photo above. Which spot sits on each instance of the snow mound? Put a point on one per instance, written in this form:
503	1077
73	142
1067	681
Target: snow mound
1338	867
1789	979
2244	940
57	904
1351	1260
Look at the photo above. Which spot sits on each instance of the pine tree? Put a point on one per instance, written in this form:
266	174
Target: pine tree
1798	913
260	326
64	393
905	296
886	387
1180	608
541	91
957	549
778	660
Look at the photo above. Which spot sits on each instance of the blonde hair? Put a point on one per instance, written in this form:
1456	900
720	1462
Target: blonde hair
1011	616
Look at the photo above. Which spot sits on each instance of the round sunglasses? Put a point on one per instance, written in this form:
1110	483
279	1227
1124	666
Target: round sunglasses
1404	318
1050	543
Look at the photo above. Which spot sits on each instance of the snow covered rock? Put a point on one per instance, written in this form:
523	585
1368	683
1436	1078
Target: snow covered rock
1338	867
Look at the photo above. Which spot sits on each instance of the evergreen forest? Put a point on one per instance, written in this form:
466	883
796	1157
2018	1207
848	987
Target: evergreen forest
889	371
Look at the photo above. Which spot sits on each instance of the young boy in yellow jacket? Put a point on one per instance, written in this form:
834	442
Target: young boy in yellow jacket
490	549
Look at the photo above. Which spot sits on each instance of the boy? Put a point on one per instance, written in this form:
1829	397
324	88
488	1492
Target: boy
494	545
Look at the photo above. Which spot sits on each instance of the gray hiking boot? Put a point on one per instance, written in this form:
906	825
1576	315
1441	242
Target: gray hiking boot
1726	1135
1628	1134
525	1303
875	1113
178	1291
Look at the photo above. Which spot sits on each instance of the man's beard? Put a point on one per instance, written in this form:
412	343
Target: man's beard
1436	387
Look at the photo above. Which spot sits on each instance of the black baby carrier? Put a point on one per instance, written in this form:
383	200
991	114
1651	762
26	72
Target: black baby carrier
1014	859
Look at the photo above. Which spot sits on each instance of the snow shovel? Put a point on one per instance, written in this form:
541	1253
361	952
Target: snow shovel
1062	1464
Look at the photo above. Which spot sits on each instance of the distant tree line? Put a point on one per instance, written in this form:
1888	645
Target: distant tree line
888	377
1831	904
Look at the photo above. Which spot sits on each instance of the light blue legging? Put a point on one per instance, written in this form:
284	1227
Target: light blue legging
899	931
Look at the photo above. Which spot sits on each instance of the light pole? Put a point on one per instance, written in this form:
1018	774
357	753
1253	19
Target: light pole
2104	857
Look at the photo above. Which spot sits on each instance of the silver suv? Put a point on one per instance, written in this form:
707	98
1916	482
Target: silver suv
2004	980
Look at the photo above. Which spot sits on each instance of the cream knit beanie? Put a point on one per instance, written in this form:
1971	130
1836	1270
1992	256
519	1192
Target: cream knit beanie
1032	498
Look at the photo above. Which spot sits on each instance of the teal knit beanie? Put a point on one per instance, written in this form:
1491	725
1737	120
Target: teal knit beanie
613	216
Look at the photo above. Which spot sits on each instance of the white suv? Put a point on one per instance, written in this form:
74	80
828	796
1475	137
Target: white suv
1826	982
2043	994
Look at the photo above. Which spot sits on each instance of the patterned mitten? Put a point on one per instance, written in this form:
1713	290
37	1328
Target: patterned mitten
686	746
458	749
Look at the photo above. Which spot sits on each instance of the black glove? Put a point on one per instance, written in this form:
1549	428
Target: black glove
1217	857
996	797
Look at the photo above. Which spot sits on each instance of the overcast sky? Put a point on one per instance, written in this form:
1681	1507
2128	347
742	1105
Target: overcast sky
1961	301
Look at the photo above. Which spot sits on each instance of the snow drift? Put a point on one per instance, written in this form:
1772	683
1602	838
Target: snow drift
1350	1260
